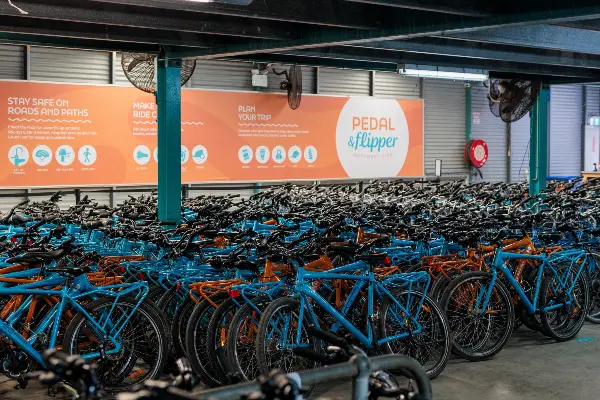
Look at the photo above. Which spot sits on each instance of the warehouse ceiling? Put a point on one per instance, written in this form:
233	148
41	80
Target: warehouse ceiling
556	40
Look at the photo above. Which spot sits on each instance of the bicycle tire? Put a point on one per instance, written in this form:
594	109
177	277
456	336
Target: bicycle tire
242	353
156	324
265	346
573	316
475	354
195	338
593	314
442	335
227	309
179	325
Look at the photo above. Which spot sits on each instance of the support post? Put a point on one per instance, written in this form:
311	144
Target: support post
168	99
538	148
468	125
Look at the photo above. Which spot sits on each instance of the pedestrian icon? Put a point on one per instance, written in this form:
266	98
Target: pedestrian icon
18	155
87	155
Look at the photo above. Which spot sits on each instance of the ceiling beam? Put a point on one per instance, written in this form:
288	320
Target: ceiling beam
486	52
419	28
332	13
105	33
538	36
89	12
321	60
414	5
71	43
390	61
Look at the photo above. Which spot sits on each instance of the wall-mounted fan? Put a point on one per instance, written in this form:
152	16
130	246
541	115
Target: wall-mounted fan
292	84
140	70
512	99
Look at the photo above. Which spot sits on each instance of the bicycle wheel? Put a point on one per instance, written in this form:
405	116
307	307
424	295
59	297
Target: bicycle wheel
241	339
195	339
276	336
431	347
593	314
564	323
216	339
476	335
441	283
144	341
179	325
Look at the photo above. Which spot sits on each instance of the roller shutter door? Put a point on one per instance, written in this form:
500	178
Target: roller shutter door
519	149
395	86
445	127
12	65
73	66
344	82
222	75
565	130
491	129
10	198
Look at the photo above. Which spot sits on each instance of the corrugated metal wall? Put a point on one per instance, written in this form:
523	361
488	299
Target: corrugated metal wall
445	126
12	64
492	129
344	82
566	105
119	75
592	102
396	86
74	66
519	147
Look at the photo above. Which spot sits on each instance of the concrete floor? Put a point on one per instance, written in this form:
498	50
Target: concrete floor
530	367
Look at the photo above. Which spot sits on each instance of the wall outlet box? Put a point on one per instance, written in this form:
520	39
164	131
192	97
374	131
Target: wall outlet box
260	81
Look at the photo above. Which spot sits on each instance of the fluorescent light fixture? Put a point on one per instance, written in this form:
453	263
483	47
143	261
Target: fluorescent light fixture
457	74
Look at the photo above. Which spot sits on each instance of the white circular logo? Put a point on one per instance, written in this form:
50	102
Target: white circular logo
65	155
87	155
310	154
199	154
141	154
295	154
18	155
185	154
155	154
245	154
262	154
372	138
278	154
42	155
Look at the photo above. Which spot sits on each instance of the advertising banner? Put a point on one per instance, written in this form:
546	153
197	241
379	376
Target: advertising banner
77	135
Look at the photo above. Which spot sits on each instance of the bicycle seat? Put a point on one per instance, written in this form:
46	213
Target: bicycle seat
71	271
37	257
372	258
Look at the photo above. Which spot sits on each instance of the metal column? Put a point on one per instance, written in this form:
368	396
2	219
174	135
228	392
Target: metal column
538	149
168	99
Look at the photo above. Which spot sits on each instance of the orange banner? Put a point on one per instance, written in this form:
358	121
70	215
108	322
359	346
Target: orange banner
76	135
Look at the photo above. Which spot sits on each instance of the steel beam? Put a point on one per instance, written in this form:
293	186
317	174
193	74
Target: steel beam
538	36
84	44
168	99
147	18
484	51
321	60
103	32
418	28
538	147
310	12
395	58
414	5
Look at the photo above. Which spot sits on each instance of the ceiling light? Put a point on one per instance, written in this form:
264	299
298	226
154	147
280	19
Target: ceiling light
457	74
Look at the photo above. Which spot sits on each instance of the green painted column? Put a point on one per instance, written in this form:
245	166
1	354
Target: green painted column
168	99
538	147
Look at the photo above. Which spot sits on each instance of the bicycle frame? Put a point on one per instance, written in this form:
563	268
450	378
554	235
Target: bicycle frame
68	296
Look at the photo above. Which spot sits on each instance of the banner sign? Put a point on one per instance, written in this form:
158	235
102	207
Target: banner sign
76	135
